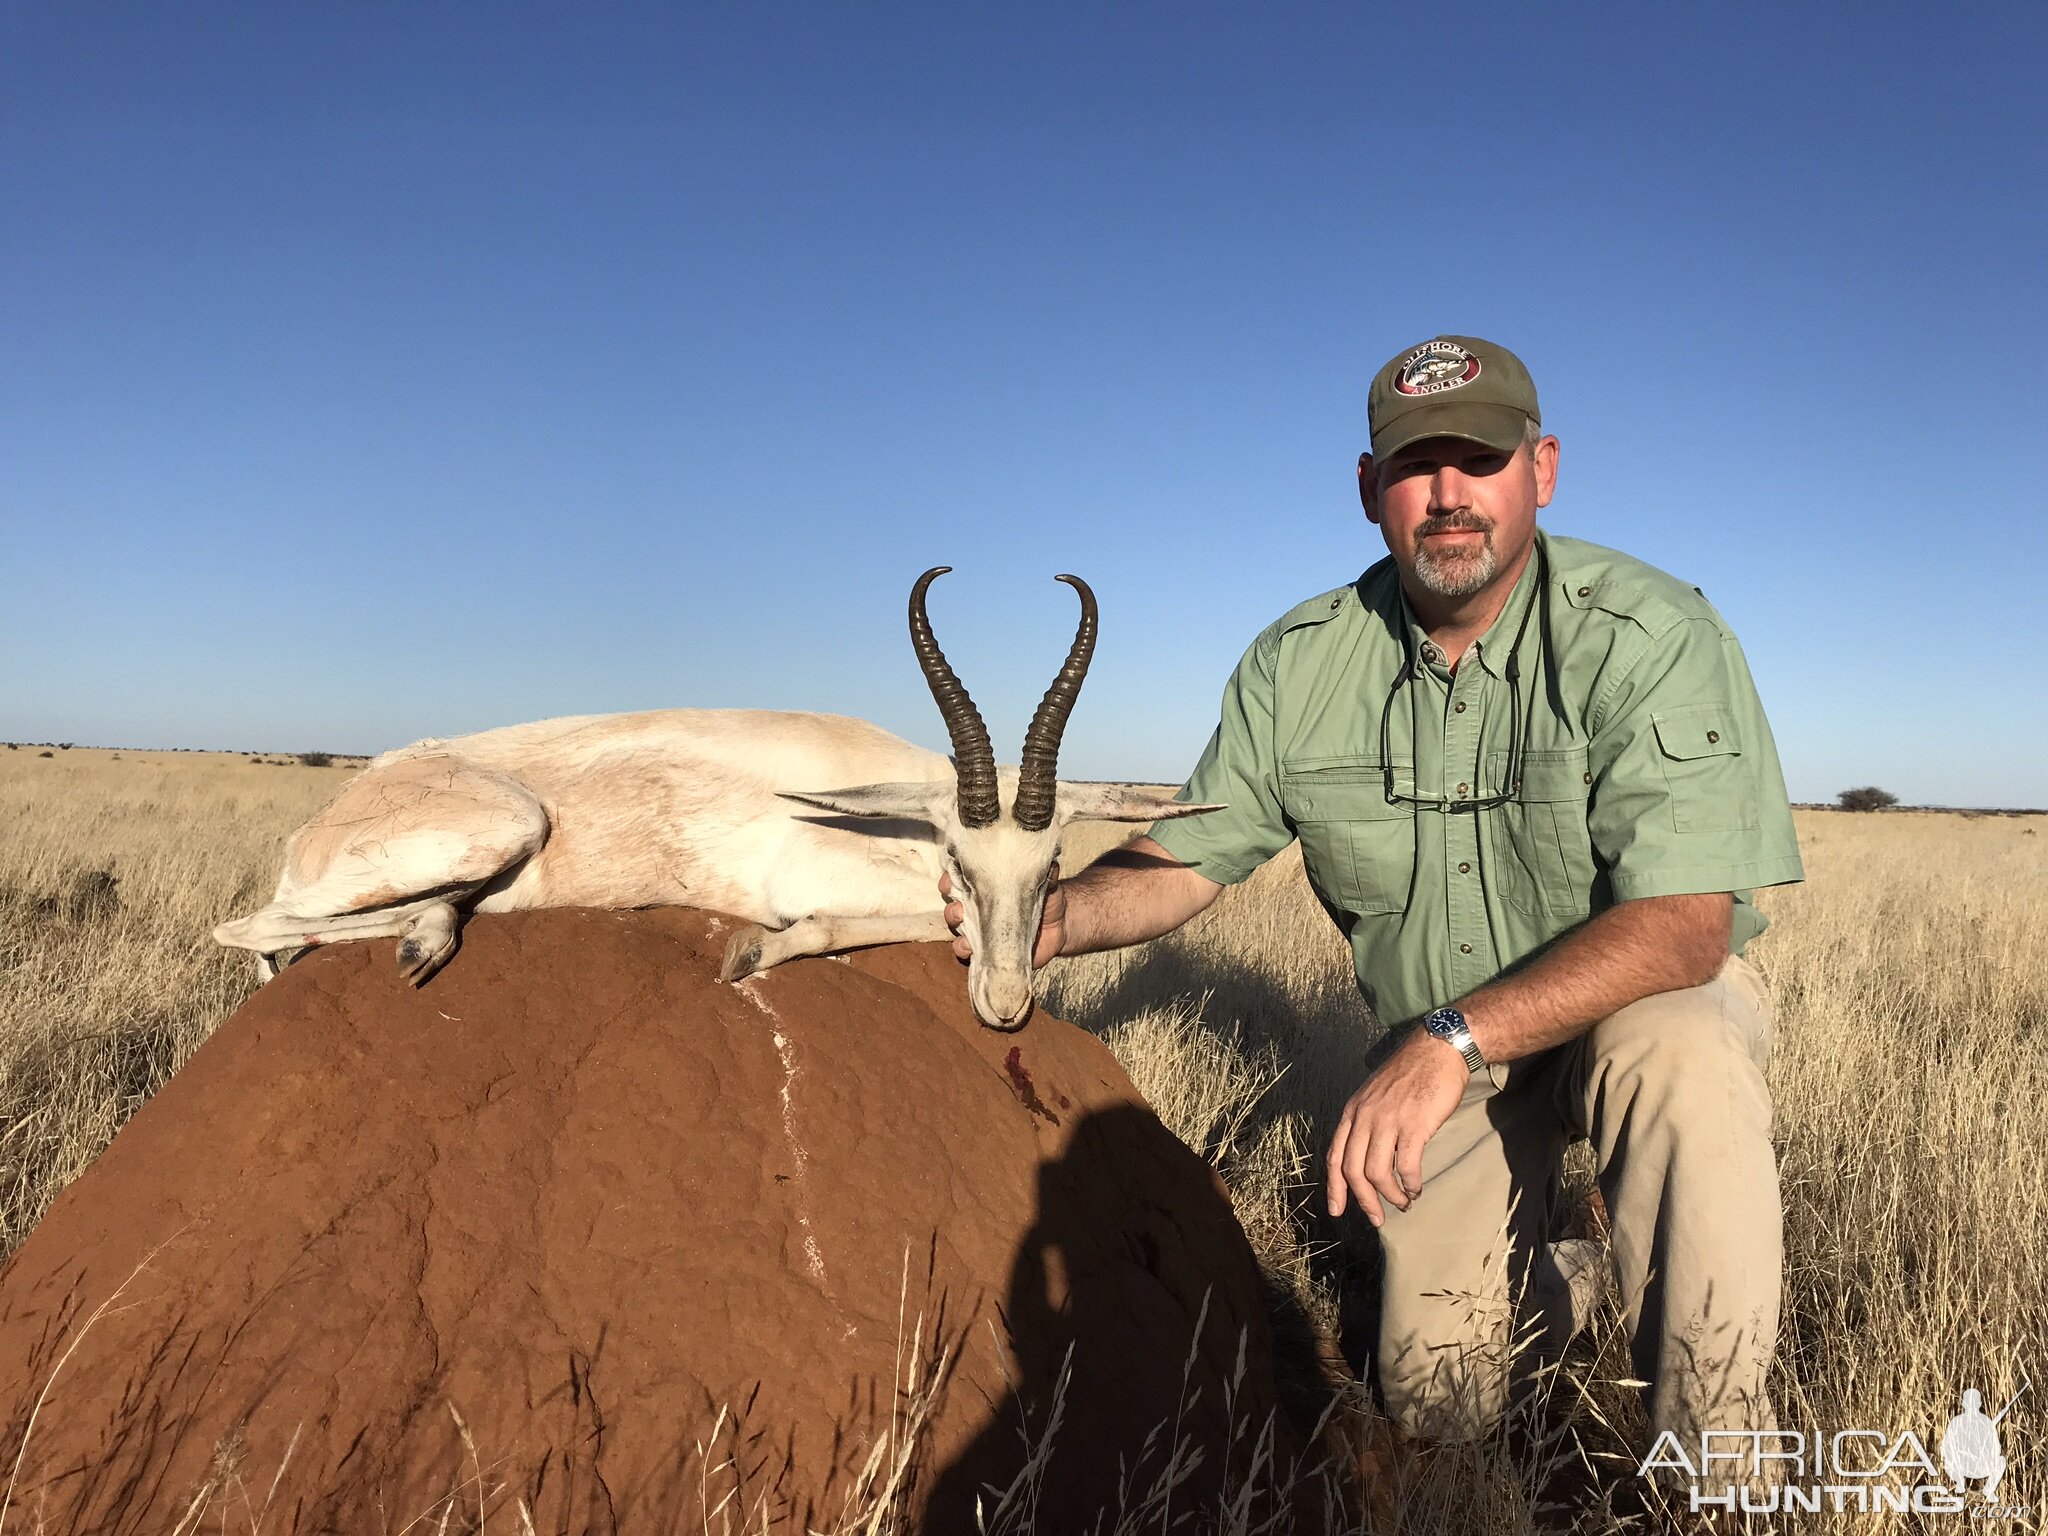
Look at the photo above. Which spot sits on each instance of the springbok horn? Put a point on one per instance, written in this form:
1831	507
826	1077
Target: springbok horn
974	760
1037	779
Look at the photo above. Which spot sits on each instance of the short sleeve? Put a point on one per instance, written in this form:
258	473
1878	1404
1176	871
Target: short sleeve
1688	796
1237	770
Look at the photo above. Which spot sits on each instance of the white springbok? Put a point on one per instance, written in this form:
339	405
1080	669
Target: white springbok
711	808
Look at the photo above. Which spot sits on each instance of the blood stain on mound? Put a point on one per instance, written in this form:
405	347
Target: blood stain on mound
1021	1085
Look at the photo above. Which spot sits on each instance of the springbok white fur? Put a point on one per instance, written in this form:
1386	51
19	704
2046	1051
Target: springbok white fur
733	811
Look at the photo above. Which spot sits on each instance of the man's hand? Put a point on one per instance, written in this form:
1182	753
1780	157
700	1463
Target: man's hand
1377	1151
1052	921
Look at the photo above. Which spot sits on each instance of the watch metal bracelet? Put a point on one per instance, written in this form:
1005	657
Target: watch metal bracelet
1449	1026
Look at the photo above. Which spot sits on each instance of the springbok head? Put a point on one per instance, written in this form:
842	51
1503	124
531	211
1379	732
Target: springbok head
1000	827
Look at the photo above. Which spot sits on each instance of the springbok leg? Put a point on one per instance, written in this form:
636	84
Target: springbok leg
426	926
390	857
753	950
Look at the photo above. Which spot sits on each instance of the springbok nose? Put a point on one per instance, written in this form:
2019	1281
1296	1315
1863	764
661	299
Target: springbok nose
1006	1001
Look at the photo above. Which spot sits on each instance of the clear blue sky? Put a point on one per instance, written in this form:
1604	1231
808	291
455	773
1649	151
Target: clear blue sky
370	371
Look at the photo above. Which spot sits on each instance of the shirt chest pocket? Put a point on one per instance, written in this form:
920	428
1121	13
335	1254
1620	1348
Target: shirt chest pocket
1359	850
1539	845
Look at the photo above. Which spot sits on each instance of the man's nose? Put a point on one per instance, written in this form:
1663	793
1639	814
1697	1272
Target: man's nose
1449	490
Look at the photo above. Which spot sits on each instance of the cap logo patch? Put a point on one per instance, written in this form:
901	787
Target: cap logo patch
1434	367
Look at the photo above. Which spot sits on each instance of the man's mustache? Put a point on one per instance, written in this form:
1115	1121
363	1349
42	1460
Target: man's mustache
1454	522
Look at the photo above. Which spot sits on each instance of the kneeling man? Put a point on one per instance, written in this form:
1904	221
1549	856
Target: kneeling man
1534	787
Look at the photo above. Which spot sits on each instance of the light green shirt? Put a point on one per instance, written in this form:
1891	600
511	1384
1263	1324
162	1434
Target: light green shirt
1648	770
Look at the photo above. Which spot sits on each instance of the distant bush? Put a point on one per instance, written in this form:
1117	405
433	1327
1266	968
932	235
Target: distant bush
317	759
1868	798
46	754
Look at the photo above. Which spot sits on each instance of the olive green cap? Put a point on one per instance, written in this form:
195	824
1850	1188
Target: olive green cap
1451	386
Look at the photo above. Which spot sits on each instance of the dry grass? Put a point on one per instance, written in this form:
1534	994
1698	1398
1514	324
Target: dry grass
113	870
1911	1080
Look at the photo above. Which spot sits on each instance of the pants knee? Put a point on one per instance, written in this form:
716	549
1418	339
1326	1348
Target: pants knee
1659	1058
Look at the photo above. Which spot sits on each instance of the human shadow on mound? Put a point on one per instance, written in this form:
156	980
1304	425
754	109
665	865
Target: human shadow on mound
1133	1310
1336	1039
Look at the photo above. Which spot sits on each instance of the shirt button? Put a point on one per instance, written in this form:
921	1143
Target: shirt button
1458	709
1585	591
1336	603
1713	735
1430	653
1464	790
1589	778
1464	949
1464	869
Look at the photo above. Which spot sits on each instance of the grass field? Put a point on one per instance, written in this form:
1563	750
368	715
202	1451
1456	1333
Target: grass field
1911	1079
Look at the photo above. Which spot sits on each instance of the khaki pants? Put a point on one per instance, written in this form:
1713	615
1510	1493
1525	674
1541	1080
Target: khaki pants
1670	1091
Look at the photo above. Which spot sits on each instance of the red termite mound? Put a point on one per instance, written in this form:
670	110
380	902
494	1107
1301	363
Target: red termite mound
578	1226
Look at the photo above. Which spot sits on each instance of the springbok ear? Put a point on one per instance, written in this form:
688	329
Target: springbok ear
913	801
1114	802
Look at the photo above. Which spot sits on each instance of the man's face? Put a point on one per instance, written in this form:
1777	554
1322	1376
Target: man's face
1458	514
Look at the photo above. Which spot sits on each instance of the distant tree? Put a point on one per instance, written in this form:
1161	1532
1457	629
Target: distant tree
1868	798
317	759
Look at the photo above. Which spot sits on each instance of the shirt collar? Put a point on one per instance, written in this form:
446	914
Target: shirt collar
1491	649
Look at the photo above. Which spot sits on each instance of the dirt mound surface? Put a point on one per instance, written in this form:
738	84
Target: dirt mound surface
577	1225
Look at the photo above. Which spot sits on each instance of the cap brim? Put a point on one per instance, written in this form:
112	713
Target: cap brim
1495	426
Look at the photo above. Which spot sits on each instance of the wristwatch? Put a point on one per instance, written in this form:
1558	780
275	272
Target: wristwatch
1448	1024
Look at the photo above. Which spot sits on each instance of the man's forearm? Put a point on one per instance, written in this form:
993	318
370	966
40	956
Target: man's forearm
1629	952
1131	894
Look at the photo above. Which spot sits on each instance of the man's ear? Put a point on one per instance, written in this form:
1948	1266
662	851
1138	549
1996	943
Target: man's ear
1369	488
1546	470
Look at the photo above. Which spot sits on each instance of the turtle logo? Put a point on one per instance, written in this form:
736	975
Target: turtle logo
1970	1448
1433	367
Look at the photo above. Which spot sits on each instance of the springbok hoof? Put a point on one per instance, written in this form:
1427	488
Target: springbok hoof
742	955
269	965
418	961
426	943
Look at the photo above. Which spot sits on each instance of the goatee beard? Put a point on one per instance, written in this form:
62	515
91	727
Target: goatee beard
1455	574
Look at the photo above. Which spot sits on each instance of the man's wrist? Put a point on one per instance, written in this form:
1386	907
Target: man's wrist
1442	1050
1449	1026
